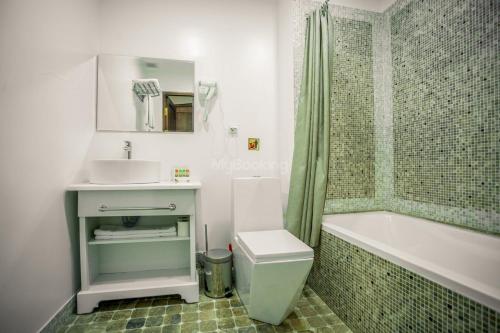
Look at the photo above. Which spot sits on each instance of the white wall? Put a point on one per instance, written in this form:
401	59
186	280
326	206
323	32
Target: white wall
231	42
46	105
285	93
47	134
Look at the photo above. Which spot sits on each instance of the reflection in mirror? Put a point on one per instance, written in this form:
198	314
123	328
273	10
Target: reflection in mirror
144	94
178	112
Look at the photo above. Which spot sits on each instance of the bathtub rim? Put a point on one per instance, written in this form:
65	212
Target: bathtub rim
483	293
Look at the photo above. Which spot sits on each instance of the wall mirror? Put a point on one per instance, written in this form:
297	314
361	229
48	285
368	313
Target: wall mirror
136	94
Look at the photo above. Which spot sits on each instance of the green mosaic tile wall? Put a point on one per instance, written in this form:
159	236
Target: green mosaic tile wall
371	294
459	185
351	171
352	184
446	104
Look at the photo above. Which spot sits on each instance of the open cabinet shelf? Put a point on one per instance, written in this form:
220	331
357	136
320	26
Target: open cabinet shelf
137	240
138	280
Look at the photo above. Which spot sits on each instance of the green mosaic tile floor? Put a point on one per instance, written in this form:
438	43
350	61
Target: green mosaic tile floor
171	314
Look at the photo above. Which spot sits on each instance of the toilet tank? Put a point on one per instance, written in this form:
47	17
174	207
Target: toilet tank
256	204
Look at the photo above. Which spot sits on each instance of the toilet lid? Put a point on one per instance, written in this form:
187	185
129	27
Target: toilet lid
272	245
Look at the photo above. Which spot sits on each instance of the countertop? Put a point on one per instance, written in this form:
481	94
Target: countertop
192	185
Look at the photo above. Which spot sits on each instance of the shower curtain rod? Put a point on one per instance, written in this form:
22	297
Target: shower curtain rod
323	6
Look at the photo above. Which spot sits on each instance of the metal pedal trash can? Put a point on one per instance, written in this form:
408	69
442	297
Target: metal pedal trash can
218	273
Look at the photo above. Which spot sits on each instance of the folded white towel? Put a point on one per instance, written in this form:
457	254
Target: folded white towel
111	230
104	237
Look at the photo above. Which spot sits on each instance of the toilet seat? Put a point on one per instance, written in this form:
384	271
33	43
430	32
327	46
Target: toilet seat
273	245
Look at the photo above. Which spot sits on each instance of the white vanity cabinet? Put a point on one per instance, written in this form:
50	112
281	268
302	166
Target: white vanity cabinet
138	267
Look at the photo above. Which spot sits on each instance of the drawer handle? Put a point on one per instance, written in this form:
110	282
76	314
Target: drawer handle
105	208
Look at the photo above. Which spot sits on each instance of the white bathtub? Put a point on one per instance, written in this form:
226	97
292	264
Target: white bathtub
464	261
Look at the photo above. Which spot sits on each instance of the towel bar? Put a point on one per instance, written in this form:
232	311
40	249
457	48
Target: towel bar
105	208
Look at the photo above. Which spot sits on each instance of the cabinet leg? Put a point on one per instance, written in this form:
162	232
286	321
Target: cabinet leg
86	304
191	296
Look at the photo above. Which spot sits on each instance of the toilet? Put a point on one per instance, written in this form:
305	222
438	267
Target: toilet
271	264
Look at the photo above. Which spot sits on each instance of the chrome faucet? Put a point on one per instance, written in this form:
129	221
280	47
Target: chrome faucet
128	149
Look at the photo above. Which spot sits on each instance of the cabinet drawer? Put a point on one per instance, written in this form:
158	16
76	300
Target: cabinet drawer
136	203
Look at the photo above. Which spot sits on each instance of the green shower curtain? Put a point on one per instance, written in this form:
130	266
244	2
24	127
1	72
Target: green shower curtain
312	132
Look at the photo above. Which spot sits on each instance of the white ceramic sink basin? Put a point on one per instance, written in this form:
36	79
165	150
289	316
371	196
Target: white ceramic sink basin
124	172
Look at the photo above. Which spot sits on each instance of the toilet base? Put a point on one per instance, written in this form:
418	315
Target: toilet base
269	290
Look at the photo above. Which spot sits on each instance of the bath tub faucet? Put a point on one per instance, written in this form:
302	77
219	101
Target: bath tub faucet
128	149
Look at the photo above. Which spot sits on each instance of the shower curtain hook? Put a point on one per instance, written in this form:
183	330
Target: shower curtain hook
325	5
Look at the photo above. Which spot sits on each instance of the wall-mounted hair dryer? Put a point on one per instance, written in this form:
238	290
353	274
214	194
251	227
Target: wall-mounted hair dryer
206	92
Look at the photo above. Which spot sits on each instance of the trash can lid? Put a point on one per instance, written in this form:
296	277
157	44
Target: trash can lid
218	256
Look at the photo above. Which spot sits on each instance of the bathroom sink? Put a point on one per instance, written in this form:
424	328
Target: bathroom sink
124	172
